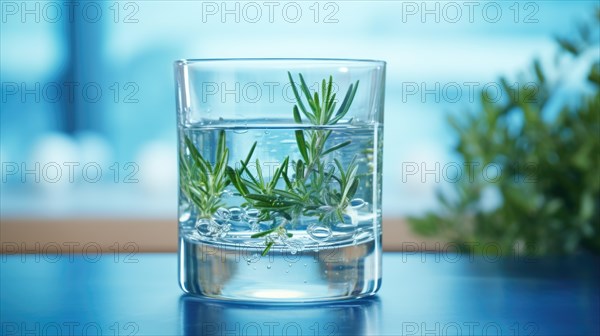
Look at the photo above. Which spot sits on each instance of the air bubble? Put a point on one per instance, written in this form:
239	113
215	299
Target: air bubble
236	214
357	203
319	232
250	214
268	266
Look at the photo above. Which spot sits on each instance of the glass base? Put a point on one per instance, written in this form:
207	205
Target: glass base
239	272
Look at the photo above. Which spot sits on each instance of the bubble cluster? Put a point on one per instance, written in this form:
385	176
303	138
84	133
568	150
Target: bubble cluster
210	228
224	218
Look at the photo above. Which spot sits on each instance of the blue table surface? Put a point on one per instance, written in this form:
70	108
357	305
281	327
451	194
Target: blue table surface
422	294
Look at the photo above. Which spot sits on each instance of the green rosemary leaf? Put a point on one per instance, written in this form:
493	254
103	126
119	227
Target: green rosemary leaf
352	169
299	169
328	95
221	165
352	189
259	172
269	207
263	233
287	194
275	178
340	168
324	95
255	187
318	112
302	145
196	157
345	102
285	215
297	118
262	198
339	215
288	183
345	107
306	92
336	147
248	157
266	250
183	163
198	190
297	96
237	181
253	182
331	108
221	144
278	172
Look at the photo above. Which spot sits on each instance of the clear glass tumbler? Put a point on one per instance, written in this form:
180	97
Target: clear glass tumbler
280	178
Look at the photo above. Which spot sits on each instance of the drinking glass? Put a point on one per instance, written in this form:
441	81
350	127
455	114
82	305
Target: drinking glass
280	178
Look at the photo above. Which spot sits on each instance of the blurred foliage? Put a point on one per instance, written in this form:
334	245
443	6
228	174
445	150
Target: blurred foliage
547	144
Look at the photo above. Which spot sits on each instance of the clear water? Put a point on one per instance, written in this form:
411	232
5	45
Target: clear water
337	260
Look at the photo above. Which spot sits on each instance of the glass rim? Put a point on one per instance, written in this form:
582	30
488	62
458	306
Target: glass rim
191	61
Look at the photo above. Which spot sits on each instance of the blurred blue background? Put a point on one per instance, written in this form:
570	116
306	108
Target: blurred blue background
88	110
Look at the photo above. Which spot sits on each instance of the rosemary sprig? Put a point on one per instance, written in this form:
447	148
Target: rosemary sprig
321	114
202	182
308	191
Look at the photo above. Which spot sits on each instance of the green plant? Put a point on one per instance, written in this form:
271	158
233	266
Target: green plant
309	188
550	183
202	182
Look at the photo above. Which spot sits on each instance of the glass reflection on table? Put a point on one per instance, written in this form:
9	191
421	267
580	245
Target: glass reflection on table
211	317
